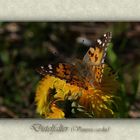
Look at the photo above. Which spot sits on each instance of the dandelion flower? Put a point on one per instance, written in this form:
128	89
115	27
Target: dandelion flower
55	98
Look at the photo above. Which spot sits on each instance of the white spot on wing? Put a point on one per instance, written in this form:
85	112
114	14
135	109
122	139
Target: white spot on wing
99	41
102	60
104	35
50	66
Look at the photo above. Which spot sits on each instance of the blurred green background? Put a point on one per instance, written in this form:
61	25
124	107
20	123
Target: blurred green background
27	45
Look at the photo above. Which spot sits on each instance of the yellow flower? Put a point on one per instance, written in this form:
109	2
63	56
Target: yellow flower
96	102
57	99
55	113
42	94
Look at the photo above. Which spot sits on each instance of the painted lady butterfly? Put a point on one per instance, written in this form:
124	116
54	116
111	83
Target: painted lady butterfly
88	70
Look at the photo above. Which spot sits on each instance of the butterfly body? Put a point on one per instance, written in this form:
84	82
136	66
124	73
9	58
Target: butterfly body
82	72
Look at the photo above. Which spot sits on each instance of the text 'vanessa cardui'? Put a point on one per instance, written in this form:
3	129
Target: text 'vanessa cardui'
88	70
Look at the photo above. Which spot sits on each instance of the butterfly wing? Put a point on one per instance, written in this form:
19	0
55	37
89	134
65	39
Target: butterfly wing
87	71
63	71
96	54
95	57
98	72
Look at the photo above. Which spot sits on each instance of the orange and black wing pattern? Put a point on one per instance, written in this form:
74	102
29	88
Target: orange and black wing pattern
64	71
95	56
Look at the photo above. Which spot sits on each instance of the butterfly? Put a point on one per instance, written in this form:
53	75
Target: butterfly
82	72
